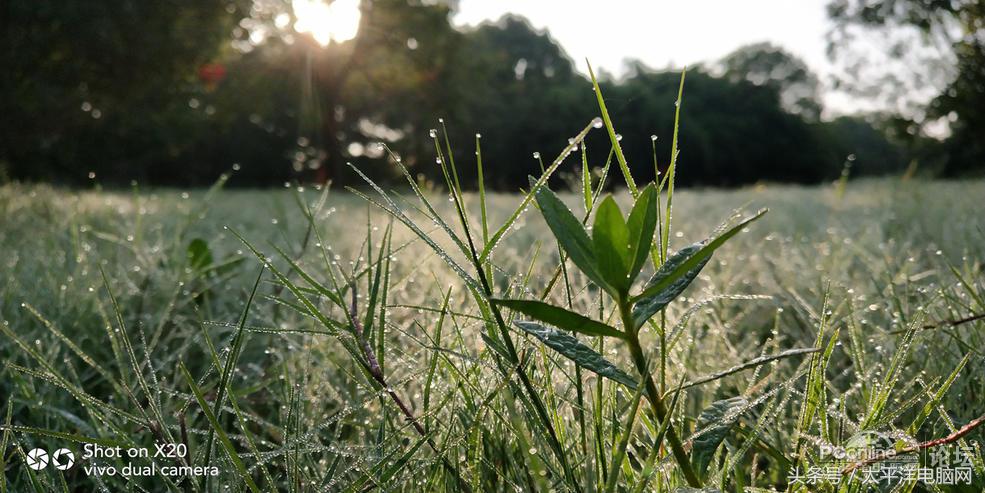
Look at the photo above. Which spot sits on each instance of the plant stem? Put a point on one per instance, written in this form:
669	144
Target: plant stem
653	395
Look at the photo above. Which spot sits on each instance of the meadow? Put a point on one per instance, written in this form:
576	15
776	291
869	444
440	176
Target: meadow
122	316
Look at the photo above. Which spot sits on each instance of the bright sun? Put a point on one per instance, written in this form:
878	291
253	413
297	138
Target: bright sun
336	21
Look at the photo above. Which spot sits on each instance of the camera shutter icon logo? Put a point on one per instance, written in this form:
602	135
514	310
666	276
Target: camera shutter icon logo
37	459
63	459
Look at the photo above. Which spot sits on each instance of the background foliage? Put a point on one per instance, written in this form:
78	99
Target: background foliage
130	92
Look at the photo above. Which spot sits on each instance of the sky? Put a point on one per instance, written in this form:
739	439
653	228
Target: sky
664	33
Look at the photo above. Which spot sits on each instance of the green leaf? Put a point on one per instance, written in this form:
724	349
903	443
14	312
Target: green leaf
560	317
610	237
570	234
650	305
692	261
714	424
199	255
642	223
571	348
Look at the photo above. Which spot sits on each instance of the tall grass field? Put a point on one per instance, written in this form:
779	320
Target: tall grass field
429	338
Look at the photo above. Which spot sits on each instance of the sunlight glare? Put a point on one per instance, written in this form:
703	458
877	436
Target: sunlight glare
336	21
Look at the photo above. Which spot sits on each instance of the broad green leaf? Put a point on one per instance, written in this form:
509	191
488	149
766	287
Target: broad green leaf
571	348
610	238
650	305
702	255
642	223
713	425
560	317
570	234
199	254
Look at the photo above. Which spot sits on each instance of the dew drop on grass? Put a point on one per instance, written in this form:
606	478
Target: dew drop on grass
433	133
597	122
536	155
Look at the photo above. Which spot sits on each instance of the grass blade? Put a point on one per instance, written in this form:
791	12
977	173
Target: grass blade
620	158
223	439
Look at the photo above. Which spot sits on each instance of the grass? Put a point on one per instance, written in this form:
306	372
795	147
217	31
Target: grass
331	340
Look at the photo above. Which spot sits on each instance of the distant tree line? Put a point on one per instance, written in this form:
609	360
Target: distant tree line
178	95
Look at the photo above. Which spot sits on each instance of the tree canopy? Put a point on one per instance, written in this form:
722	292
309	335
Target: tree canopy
934	49
178	94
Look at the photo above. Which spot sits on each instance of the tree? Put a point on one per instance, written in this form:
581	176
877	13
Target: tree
382	85
935	52
764	64
522	94
862	142
731	133
107	82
